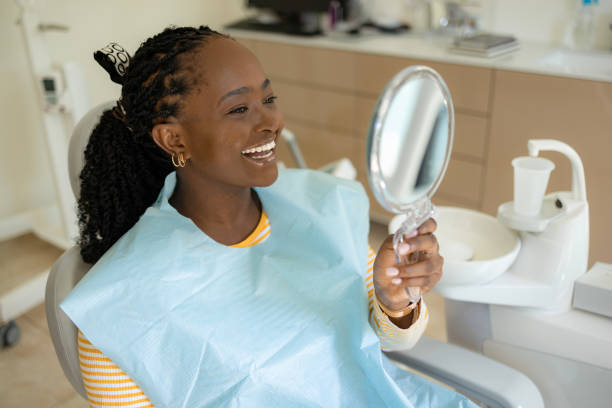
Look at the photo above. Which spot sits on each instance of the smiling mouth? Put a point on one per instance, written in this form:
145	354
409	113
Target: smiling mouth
261	154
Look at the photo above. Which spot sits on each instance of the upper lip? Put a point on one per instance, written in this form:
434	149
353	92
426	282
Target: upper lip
259	145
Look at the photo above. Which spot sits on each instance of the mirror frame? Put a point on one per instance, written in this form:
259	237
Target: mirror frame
377	183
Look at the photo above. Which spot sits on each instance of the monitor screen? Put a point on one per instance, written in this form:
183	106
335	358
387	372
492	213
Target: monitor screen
289	6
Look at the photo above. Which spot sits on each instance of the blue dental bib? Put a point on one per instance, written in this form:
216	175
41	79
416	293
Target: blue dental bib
283	323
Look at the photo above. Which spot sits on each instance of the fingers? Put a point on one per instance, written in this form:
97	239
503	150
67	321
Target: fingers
386	268
423	275
428	227
396	274
386	254
424	268
420	282
391	279
393	297
425	243
394	280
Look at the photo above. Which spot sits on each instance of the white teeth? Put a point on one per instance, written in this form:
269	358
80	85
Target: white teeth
265	156
266	147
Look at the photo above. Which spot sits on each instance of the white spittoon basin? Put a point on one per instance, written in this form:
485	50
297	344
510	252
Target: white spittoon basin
476	247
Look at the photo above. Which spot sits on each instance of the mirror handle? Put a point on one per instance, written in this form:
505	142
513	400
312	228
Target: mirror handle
416	215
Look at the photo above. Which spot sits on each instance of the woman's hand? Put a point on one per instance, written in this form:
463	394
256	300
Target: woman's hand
391	280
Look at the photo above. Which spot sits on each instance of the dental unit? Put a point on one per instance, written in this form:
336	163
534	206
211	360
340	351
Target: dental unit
517	288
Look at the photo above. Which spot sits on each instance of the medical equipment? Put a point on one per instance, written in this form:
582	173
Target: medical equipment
476	376
62	100
525	317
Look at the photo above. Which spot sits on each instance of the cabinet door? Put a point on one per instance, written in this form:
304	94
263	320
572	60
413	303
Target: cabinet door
322	107
462	184
469	86
470	137
577	112
331	69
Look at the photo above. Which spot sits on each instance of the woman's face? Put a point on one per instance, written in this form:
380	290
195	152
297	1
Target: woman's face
231	121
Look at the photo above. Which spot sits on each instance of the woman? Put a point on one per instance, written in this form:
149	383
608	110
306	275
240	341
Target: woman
217	281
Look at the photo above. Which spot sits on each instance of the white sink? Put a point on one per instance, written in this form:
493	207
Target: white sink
476	247
572	62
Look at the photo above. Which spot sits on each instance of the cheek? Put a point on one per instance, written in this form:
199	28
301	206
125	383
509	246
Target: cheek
218	149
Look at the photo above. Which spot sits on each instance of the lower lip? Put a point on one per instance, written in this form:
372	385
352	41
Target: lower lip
262	159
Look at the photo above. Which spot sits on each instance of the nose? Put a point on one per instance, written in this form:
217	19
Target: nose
269	120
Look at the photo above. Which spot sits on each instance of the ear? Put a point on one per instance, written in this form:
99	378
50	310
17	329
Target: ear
169	137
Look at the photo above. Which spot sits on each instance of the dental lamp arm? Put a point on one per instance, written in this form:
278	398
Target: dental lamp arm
534	146
289	137
477	376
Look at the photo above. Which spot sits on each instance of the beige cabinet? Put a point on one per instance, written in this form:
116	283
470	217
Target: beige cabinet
327	97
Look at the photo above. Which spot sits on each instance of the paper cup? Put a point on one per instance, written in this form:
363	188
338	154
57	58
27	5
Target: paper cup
530	180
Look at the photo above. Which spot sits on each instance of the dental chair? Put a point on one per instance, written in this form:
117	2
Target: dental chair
479	378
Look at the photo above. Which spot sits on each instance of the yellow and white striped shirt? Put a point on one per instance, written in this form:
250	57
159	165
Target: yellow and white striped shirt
108	386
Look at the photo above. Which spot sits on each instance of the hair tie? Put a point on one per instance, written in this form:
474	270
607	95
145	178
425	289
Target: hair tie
115	60
119	113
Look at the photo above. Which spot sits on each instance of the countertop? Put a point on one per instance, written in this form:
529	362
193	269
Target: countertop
531	57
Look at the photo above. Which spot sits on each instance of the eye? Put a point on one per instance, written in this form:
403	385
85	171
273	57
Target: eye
240	109
270	99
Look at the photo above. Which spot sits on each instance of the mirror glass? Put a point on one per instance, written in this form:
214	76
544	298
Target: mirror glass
410	139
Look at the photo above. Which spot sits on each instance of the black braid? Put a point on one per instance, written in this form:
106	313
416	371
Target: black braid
124	168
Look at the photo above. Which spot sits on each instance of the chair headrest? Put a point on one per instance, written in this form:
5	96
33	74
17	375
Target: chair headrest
78	143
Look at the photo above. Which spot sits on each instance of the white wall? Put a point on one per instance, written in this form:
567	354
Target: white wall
25	180
541	21
544	21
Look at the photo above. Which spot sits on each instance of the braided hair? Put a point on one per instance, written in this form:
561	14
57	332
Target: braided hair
124	168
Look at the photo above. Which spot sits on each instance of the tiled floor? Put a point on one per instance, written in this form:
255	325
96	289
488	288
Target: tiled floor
30	375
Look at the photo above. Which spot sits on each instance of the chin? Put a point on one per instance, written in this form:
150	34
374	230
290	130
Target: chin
266	176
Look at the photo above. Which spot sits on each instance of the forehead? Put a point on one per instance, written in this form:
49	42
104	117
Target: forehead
227	65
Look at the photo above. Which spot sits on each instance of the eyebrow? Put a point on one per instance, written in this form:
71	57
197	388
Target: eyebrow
244	89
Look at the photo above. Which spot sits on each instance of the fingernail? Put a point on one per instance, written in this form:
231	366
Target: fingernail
396	281
403	248
412	234
392	271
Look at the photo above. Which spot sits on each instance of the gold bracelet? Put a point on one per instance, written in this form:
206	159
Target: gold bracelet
396	314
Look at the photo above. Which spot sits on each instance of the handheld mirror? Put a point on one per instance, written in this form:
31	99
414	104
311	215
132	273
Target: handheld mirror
408	149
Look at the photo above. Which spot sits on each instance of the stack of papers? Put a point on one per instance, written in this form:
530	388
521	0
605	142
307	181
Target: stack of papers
485	45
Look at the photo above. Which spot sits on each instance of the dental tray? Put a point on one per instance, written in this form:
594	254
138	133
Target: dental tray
550	211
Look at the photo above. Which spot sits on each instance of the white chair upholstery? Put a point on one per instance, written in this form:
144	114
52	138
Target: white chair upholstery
70	268
65	274
473	374
78	143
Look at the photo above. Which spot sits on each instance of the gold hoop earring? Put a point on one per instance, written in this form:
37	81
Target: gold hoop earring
179	160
